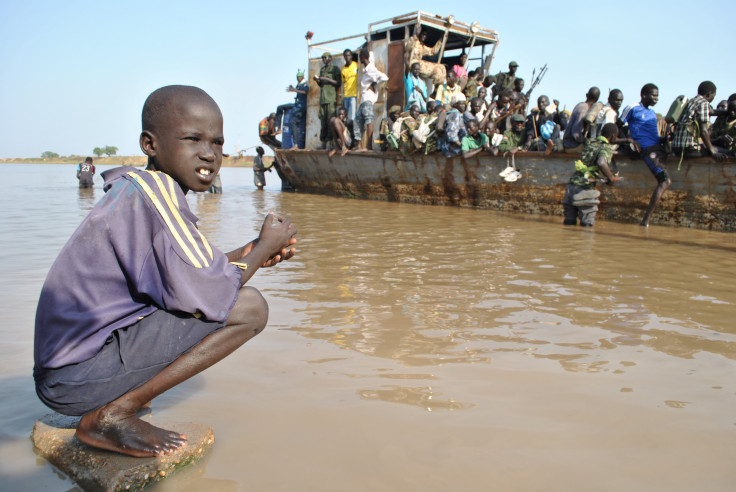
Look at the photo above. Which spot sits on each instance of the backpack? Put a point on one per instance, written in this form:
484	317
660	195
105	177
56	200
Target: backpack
676	109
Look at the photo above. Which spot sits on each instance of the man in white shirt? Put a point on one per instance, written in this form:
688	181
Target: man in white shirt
368	96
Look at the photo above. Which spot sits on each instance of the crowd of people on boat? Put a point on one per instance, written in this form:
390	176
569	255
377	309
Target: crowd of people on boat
460	112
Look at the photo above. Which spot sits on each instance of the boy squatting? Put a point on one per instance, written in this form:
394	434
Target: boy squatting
138	301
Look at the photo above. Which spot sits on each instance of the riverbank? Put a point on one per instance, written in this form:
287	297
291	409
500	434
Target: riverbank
119	160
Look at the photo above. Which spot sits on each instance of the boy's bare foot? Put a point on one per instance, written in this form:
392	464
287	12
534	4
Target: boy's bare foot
332	152
121	431
344	151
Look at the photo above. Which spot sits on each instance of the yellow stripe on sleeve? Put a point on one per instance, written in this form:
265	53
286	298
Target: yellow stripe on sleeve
161	210
177	216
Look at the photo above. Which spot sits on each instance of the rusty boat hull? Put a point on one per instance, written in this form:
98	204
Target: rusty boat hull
702	194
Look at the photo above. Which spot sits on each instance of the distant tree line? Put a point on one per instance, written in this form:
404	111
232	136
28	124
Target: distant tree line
108	150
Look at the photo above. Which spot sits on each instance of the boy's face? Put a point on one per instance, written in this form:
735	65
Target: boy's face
187	143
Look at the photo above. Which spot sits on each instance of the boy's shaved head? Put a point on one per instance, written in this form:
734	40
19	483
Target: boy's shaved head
160	102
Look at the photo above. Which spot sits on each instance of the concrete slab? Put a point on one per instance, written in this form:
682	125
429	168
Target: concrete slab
97	470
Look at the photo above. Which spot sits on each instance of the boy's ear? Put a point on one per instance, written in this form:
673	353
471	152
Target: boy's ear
148	143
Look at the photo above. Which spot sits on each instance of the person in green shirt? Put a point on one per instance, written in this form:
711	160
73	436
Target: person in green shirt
513	138
474	142
328	82
581	197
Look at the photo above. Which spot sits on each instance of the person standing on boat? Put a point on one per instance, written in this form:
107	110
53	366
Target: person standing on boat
349	74
86	173
581	197
416	90
505	80
328	82
576	131
642	121
299	116
694	124
368	97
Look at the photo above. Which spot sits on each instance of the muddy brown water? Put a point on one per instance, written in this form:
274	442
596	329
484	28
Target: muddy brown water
425	348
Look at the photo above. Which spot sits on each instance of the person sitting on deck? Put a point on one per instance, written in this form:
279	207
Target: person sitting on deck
594	166
267	131
513	138
386	130
723	131
299	116
450	143
415	50
138	301
475	141
494	136
416	89
328	81
608	113
693	126
642	122
542	128
446	91
368	95
342	132
505	80
425	136
576	131
409	124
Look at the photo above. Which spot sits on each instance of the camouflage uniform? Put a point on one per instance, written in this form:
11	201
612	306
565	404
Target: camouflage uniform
586	168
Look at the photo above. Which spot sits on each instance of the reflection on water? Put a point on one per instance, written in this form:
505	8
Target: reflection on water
513	320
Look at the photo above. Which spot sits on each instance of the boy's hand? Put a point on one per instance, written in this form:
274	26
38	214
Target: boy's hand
284	254
276	235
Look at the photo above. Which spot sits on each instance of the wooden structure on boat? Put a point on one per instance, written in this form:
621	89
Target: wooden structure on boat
387	41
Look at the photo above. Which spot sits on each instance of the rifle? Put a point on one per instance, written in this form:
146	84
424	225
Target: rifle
537	80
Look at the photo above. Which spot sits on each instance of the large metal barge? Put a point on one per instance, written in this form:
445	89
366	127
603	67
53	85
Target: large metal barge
702	194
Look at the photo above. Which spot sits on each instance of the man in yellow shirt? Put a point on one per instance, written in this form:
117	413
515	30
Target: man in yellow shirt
349	83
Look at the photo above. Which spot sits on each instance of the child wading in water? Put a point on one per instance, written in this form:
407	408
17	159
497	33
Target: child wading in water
138	301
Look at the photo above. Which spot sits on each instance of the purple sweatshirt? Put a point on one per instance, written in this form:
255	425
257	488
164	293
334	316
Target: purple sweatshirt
137	251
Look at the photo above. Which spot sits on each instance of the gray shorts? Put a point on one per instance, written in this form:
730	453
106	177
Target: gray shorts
130	357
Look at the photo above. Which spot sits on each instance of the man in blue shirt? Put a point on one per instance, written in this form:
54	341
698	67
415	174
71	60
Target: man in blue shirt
299	116
642	121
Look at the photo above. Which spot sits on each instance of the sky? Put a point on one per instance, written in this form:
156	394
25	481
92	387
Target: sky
74	74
